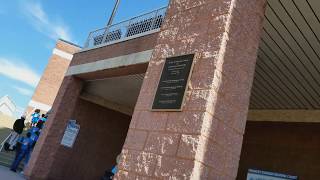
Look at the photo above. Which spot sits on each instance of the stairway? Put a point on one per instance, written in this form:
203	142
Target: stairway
6	159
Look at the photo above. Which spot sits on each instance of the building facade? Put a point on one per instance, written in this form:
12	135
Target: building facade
250	102
51	80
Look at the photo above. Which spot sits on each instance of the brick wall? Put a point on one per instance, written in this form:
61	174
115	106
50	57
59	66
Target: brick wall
289	148
48	144
204	140
119	49
52	77
67	46
201	142
101	136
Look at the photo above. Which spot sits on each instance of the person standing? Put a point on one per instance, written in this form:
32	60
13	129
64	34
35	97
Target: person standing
24	146
35	117
34	136
43	118
18	127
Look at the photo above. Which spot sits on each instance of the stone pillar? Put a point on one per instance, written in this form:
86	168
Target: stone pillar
204	140
44	152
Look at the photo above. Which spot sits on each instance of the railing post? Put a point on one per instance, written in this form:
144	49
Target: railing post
4	141
154	20
105	34
88	40
143	26
129	24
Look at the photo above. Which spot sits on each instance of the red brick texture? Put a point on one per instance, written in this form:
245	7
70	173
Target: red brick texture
289	148
67	46
51	80
119	49
204	140
48	144
92	154
99	141
53	75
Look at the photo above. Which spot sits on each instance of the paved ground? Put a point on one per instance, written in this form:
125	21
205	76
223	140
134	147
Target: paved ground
6	174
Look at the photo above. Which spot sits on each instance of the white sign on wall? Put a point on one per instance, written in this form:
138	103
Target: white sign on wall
70	134
265	175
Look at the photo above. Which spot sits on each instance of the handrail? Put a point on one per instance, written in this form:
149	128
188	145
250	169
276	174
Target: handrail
132	27
141	15
4	141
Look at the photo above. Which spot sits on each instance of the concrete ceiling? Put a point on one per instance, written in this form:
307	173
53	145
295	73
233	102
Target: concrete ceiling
288	65
120	91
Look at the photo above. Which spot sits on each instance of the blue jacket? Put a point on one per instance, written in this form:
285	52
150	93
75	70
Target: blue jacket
43	119
33	130
35	117
34	137
26	143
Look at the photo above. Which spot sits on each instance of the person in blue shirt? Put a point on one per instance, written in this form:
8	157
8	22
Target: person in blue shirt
108	175
24	145
35	133
36	128
43	118
35	117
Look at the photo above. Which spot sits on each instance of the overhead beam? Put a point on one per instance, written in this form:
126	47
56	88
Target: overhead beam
284	115
111	63
108	104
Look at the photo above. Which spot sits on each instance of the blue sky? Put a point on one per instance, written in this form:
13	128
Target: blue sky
30	28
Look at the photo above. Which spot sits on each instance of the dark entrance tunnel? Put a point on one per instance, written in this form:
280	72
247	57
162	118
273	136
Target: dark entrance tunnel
103	111
288	148
100	140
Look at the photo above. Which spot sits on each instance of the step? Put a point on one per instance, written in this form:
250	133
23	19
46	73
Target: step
6	159
7	156
8	164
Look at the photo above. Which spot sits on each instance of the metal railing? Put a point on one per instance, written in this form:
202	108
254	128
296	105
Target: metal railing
128	29
4	141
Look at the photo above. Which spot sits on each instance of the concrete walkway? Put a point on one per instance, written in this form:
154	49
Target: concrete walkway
6	174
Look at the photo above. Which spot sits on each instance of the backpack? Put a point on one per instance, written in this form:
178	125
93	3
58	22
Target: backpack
6	146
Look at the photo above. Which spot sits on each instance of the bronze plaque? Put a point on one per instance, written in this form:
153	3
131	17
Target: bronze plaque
172	85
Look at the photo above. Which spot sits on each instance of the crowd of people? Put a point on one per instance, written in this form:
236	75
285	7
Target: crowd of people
24	144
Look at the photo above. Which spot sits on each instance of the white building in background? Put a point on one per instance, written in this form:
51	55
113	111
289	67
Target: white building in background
7	106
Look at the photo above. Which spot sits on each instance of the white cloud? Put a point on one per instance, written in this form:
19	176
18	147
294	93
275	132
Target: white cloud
19	71
41	21
23	91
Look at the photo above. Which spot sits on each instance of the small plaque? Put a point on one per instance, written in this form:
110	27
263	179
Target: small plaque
172	85
70	134
265	175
